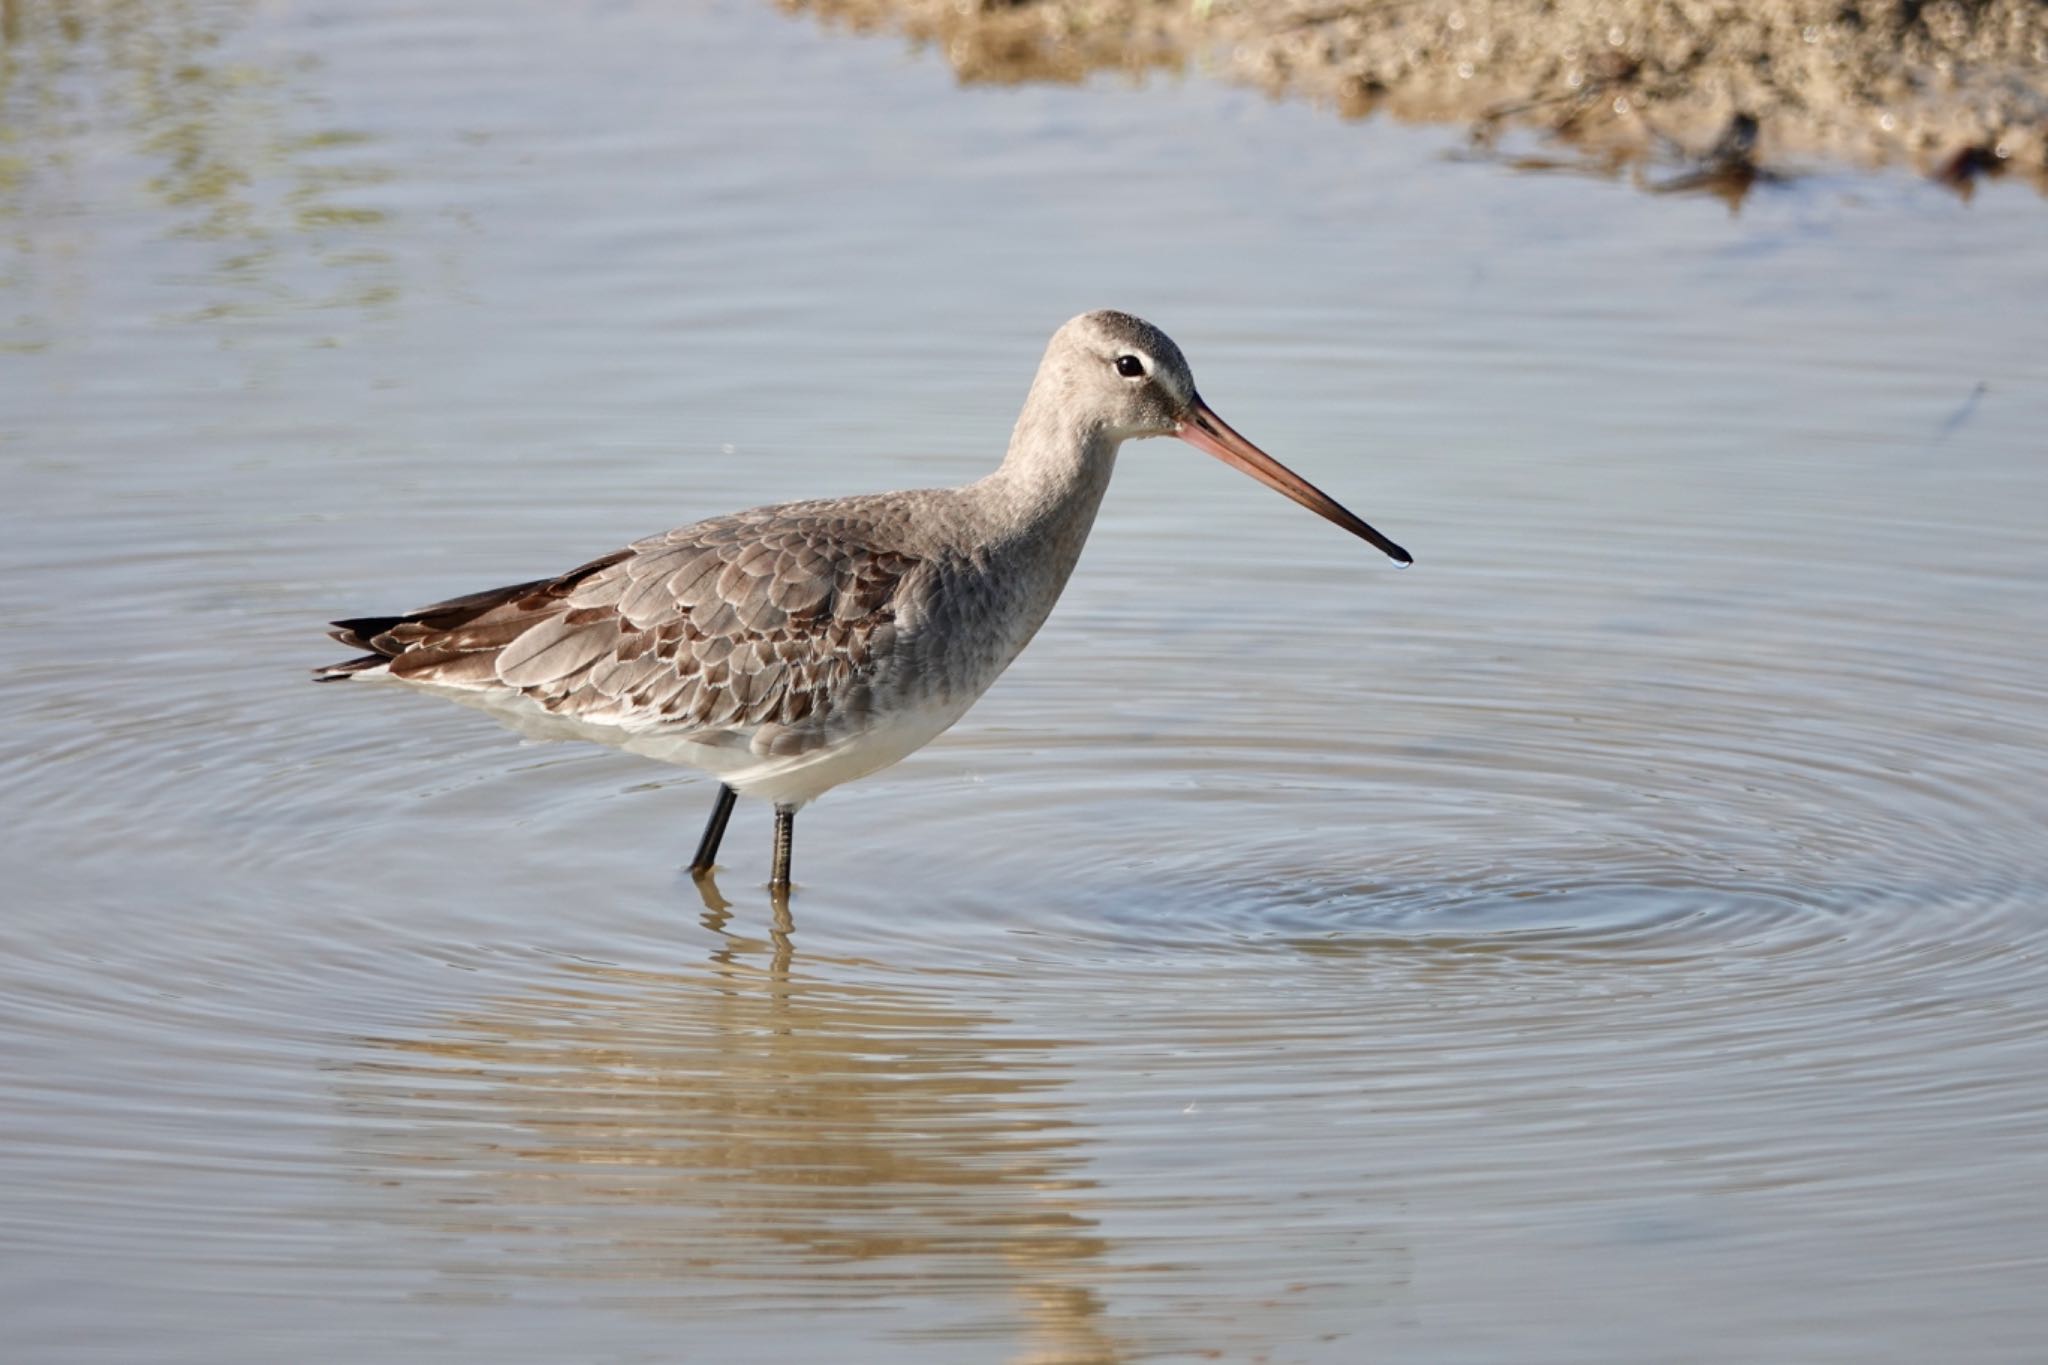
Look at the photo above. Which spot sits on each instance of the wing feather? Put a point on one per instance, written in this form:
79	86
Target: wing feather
761	629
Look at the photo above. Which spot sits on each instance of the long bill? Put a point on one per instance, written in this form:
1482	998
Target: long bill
1204	430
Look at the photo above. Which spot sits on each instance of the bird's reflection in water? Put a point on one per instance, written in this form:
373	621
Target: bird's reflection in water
717	915
768	1130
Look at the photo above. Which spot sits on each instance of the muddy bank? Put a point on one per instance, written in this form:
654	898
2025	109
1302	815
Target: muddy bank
1692	93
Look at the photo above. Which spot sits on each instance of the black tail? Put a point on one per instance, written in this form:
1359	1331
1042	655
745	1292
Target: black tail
360	633
387	637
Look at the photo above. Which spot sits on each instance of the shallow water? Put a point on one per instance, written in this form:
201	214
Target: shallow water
1619	938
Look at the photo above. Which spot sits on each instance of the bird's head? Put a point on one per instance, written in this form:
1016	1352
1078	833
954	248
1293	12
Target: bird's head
1124	378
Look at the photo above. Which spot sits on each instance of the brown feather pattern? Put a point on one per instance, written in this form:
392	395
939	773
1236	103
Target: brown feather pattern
773	620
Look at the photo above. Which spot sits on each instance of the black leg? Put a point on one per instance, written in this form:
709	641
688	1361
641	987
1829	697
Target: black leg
785	830
714	830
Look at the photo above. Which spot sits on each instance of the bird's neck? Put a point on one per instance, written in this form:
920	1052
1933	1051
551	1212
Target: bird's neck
1054	475
1037	507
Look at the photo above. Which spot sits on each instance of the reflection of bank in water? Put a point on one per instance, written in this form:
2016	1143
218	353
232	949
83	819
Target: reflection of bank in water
747	1134
1958	90
220	130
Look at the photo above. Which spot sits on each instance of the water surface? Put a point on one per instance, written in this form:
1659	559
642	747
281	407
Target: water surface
1619	938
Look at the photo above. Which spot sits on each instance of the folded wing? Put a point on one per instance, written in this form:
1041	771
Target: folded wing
763	628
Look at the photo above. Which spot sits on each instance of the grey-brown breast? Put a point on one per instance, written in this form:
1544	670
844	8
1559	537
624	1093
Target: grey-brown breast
769	623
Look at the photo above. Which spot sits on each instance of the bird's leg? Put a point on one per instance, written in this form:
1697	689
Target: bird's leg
714	831
785	829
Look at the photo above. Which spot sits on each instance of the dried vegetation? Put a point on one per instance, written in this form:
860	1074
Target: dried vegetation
1722	92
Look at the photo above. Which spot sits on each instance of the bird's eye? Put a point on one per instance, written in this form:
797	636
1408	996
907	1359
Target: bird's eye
1130	367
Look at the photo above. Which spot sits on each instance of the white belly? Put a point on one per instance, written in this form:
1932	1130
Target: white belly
792	779
795	779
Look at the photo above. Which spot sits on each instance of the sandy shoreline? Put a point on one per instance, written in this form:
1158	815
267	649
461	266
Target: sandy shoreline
1709	88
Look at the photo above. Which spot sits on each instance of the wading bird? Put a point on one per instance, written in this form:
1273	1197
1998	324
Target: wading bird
792	648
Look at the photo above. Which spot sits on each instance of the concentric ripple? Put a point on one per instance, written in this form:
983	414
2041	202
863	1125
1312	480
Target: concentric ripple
1622	937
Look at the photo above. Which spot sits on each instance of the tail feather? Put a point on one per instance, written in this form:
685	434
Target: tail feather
387	637
336	672
358	632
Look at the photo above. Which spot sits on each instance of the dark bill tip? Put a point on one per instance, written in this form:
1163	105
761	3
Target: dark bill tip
1205	431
